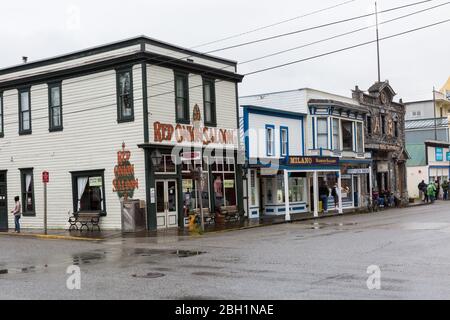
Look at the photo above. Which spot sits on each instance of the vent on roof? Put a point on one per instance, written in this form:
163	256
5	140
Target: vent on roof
25	59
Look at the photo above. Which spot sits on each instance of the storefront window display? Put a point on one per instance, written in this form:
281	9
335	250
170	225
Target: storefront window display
224	177
191	186
275	185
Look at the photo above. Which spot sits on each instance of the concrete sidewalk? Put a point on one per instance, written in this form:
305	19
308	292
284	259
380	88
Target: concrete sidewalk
209	229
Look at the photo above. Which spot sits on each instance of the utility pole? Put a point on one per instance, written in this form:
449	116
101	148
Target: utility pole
378	43
435	120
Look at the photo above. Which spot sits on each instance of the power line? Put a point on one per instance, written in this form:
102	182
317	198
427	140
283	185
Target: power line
274	24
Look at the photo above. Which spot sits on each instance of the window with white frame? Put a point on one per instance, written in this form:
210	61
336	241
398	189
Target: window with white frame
322	133
336	135
347	135
270	140
284	141
359	138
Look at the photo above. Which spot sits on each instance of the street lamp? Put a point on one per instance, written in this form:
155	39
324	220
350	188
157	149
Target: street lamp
156	158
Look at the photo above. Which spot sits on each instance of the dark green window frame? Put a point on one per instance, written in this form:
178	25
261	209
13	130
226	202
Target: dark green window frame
211	103
23	131
26	193
121	96
184	99
88	174
52	108
2	122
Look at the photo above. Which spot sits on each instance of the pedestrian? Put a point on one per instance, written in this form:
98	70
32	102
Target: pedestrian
438	189
431	191
445	189
324	193
17	214
422	191
334	194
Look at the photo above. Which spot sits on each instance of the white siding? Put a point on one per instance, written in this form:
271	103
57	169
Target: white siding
90	140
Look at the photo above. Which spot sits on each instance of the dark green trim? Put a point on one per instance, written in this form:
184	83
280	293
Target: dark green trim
149	183
212	83
185	78
20	91
2	118
5	172
119	72
23	172
52	85
145	101
88	173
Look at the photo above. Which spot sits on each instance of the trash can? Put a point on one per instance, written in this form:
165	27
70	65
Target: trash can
133	216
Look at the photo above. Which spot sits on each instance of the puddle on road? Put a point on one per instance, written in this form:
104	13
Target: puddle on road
186	253
319	226
150	275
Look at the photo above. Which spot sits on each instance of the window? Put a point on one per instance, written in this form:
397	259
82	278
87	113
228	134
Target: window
191	186
24	112
322	133
26	177
369	124
359	138
383	124
270	140
223	171
88	190
209	102
284	141
336	135
167	165
2	129
347	135
125	105
55	107
296	189
396	128
253	188
182	97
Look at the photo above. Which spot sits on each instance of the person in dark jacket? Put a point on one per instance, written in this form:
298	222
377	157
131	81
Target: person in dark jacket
423	191
324	193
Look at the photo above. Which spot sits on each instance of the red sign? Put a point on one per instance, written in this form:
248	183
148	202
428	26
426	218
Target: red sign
45	177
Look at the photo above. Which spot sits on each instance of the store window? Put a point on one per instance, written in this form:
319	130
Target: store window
284	141
125	108
167	165
322	133
224	182
55	107
359	137
253	188
296	189
270	140
192	186
274	190
27	182
336	135
347	135
89	191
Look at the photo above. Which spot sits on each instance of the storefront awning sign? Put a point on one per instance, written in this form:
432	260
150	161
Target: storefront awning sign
358	171
313	161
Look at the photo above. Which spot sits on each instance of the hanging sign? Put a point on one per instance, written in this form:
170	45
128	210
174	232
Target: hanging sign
124	182
95	182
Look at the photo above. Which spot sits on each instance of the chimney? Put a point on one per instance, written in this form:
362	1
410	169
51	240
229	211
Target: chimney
25	59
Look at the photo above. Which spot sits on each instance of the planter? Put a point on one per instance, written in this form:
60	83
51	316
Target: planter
220	219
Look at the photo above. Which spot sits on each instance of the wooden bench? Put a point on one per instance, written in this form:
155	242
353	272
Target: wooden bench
88	220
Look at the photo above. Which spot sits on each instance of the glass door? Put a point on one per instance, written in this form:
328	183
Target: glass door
166	204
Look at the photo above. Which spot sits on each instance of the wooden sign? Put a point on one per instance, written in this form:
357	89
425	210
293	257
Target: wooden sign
124	183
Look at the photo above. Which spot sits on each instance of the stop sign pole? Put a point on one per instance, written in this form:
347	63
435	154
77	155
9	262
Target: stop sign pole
45	180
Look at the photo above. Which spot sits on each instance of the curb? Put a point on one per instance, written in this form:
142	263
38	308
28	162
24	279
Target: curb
48	237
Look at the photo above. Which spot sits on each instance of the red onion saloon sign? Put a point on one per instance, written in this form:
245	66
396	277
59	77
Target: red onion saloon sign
124	182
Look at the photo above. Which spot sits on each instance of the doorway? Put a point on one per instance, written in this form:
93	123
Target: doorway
166	204
3	202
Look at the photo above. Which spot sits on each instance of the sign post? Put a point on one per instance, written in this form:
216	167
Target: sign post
45	180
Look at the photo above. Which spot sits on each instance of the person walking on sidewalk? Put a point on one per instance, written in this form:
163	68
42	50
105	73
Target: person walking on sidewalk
431	191
324	193
17	214
423	191
445	189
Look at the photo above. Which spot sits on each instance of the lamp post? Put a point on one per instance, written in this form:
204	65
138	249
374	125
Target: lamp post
156	158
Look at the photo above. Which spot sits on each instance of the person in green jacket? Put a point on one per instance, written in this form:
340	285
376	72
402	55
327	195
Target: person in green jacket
431	191
445	189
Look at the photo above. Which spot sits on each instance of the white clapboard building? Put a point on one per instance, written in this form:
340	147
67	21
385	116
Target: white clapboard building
104	122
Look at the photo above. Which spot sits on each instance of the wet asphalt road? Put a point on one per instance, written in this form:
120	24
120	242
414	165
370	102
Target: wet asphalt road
303	260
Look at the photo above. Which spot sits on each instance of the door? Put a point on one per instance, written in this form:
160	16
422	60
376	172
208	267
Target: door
3	202
166	204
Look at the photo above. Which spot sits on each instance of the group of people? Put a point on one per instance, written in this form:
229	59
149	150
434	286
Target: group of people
385	198
431	192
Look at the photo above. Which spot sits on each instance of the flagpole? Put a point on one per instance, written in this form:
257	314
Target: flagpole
378	43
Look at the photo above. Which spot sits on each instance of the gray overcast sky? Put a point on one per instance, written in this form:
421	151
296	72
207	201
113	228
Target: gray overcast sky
413	63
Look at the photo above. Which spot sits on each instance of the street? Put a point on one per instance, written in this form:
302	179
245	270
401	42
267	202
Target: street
326	259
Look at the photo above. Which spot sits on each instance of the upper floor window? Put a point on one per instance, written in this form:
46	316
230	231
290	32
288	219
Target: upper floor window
209	102
24	112
336	135
2	132
322	133
383	124
55	107
270	140
125	106
369	124
284	141
182	97
359	138
347	135
396	129
26	176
